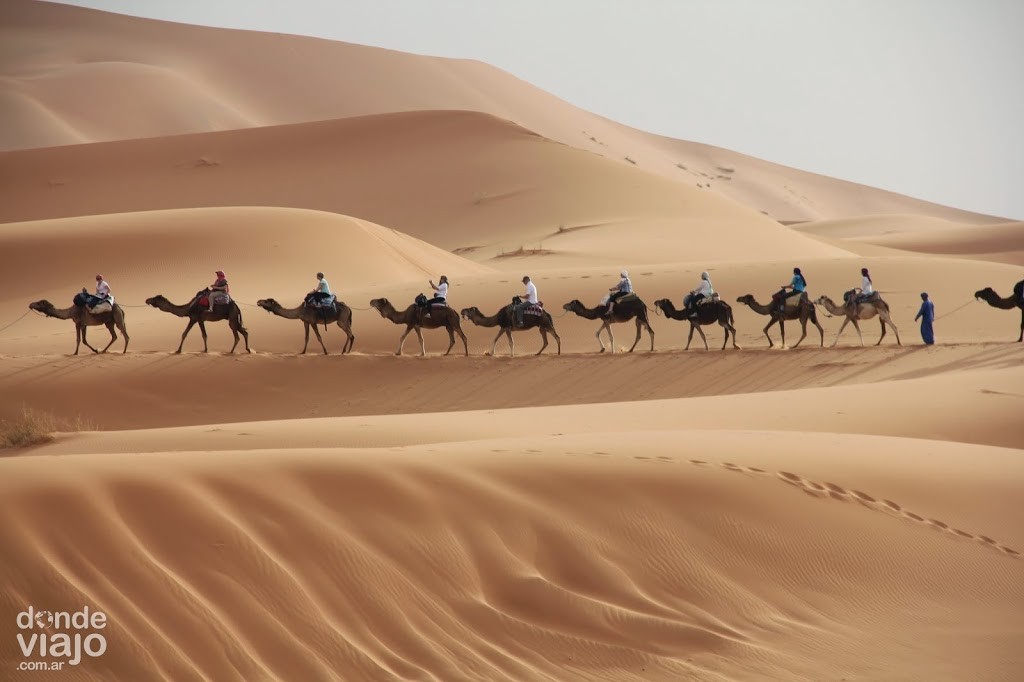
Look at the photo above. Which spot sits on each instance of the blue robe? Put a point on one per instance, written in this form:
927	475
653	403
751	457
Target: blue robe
927	315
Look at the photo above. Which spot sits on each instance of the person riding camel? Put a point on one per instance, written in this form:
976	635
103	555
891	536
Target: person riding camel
623	288
321	295
218	292
102	293
704	290
440	294
529	297
867	287
797	285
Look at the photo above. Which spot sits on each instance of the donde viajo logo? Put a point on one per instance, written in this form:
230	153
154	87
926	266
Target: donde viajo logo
49	640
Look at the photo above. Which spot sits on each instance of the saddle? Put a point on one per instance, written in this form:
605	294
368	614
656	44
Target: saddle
853	296
624	299
714	298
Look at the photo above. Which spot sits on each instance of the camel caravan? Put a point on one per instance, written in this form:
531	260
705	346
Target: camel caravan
702	306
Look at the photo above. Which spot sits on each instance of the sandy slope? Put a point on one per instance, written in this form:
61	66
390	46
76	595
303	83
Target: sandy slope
65	70
605	556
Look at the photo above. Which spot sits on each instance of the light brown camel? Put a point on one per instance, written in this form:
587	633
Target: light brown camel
801	309
624	311
83	318
503	320
707	313
860	311
200	315
1008	303
413	318
311	317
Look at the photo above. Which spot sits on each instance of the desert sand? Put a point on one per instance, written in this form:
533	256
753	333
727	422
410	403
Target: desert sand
799	513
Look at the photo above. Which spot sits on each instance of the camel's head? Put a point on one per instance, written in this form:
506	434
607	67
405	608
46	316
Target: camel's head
40	306
467	313
662	303
156	301
985	294
380	305
820	300
267	304
746	299
574	304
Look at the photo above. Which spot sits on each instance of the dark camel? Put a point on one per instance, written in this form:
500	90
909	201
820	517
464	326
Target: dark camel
1009	303
197	314
802	310
311	317
83	318
624	311
707	313
414	318
860	311
504	321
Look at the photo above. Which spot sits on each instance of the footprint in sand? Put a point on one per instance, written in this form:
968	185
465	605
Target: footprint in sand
987	540
838	489
912	515
962	533
1007	550
889	504
790	478
815	485
641	457
863	497
698	462
756	470
664	458
939	524
730	466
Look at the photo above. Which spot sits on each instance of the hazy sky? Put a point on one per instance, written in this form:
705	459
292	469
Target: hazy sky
922	97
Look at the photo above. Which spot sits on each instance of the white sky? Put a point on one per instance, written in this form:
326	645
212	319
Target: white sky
922	97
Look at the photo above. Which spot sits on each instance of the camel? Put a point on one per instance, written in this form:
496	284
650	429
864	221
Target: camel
504	321
860	311
1009	303
200	315
310	317
624	311
84	318
707	313
803	311
414	318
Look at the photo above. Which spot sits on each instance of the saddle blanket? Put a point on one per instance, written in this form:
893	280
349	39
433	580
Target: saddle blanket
204	301
533	310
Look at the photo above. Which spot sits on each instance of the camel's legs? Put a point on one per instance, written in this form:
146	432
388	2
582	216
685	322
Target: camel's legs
350	338
839	333
305	328
856	326
650	332
113	336
1021	337
803	331
245	335
544	336
725	341
821	330
234	332
401	341
558	339
320	339
695	326
465	343
188	328
87	345
124	333
599	341
637	339
202	328
881	322
494	345
78	338
423	346
611	336
451	340
768	326
511	342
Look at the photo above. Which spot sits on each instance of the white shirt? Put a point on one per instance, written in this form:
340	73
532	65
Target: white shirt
625	285
102	289
531	293
323	287
865	286
441	291
704	288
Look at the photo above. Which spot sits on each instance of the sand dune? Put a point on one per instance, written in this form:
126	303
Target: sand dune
500	187
216	79
575	560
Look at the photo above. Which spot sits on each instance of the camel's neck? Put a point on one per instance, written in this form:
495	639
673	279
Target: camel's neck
288	313
589	313
168	307
671	312
758	308
60	313
997	301
482	321
831	307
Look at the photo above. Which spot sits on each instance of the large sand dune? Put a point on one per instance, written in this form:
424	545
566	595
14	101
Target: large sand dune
754	513
67	69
